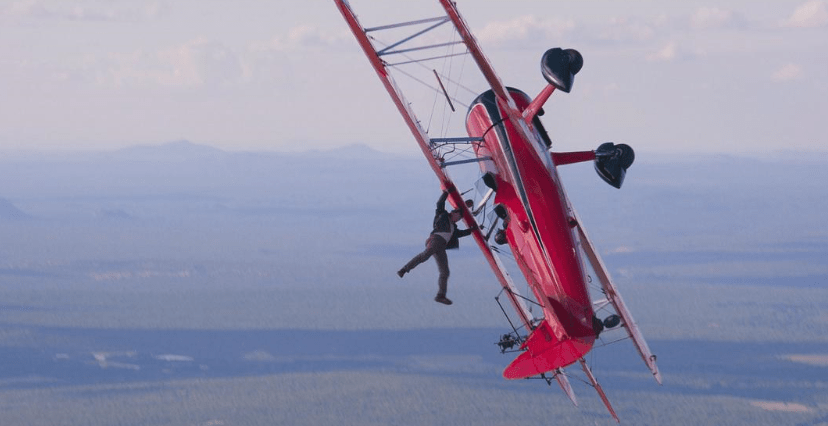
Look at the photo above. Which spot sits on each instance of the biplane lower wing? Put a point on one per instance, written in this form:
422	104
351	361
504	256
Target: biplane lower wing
615	298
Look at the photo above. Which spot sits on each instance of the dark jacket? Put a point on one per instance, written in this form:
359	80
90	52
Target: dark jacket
442	223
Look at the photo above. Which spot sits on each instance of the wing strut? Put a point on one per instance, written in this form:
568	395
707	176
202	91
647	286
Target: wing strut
388	51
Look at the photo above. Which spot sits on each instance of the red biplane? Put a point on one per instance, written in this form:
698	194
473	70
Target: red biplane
520	205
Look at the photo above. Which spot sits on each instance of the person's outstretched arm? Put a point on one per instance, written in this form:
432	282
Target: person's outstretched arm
441	203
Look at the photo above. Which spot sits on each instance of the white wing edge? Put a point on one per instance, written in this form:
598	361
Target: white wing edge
615	298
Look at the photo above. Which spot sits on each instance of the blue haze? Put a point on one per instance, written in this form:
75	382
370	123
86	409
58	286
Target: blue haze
181	284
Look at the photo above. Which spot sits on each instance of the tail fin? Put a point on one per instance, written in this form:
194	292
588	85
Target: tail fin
544	352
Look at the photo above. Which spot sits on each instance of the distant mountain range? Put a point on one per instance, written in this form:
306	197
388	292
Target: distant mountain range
676	190
182	150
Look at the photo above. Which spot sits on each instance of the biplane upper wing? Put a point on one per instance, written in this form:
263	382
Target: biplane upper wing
426	142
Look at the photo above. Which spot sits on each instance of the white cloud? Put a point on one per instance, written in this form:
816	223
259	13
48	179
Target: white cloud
788	72
197	63
524	28
202	62
666	53
809	15
712	17
83	10
629	30
304	37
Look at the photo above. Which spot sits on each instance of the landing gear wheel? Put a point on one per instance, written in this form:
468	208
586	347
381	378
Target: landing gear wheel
612	321
500	237
500	211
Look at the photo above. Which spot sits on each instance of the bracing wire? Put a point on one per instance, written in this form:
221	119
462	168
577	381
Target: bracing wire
419	63
447	64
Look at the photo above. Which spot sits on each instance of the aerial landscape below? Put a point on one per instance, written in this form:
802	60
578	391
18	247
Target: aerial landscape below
214	213
183	284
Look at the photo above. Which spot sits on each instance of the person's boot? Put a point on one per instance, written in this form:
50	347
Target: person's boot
442	299
402	272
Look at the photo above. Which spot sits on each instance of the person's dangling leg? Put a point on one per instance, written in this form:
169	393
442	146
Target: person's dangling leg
431	246
441	258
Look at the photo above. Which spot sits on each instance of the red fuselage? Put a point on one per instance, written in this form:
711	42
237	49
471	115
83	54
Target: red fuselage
540	229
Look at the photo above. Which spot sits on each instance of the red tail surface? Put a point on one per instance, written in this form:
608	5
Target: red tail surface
544	352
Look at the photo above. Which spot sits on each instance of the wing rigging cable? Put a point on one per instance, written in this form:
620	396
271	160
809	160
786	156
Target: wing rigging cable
420	62
447	63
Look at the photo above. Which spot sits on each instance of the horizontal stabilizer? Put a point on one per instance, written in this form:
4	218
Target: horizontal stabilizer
544	352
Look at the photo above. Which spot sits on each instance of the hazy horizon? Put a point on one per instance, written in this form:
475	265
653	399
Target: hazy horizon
782	153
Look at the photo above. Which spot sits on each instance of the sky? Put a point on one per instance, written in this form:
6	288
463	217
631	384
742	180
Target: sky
692	77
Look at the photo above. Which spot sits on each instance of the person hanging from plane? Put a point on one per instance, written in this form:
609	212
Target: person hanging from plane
444	236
